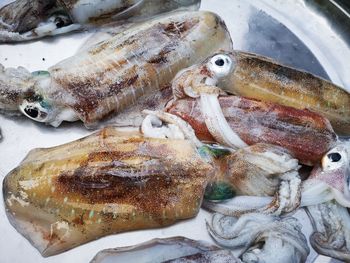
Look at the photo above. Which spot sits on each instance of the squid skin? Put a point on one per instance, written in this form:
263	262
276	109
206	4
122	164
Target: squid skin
174	249
109	182
24	20
262	78
111	76
307	135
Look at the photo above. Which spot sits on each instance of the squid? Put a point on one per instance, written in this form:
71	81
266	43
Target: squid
256	77
174	249
326	199
24	20
119	180
261	238
331	224
122	75
307	135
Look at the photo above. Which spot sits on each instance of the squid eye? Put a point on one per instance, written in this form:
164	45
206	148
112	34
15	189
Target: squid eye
61	21
34	111
221	65
337	158
334	157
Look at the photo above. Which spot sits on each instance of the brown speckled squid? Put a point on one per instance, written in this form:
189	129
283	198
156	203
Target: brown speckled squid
24	20
132	68
114	181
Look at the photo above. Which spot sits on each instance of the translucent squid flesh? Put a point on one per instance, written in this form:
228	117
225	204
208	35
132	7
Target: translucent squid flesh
109	77
331	223
108	182
23	20
261	238
174	249
261	78
307	135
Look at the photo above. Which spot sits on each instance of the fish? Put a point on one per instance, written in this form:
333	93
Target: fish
173	249
24	20
307	135
257	77
109	182
261	238
113	75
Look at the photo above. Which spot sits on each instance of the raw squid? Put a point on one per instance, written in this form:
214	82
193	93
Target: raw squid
261	238
114	181
326	196
24	20
257	77
307	135
108	182
331	223
330	179
256	174
109	77
174	249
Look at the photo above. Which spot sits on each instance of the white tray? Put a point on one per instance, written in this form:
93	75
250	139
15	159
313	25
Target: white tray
290	31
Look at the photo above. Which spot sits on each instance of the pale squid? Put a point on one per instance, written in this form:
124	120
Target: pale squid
24	20
174	249
117	75
261	238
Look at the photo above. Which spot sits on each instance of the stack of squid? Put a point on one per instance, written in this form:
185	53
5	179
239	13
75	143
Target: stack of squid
194	124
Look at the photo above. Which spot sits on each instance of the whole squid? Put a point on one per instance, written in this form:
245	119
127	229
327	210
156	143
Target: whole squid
23	20
114	181
130	69
261	78
307	135
108	182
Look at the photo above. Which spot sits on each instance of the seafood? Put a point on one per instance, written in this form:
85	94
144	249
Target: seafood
24	20
307	135
261	78
256	174
115	74
108	182
116	180
330	179
174	249
261	238
331	223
